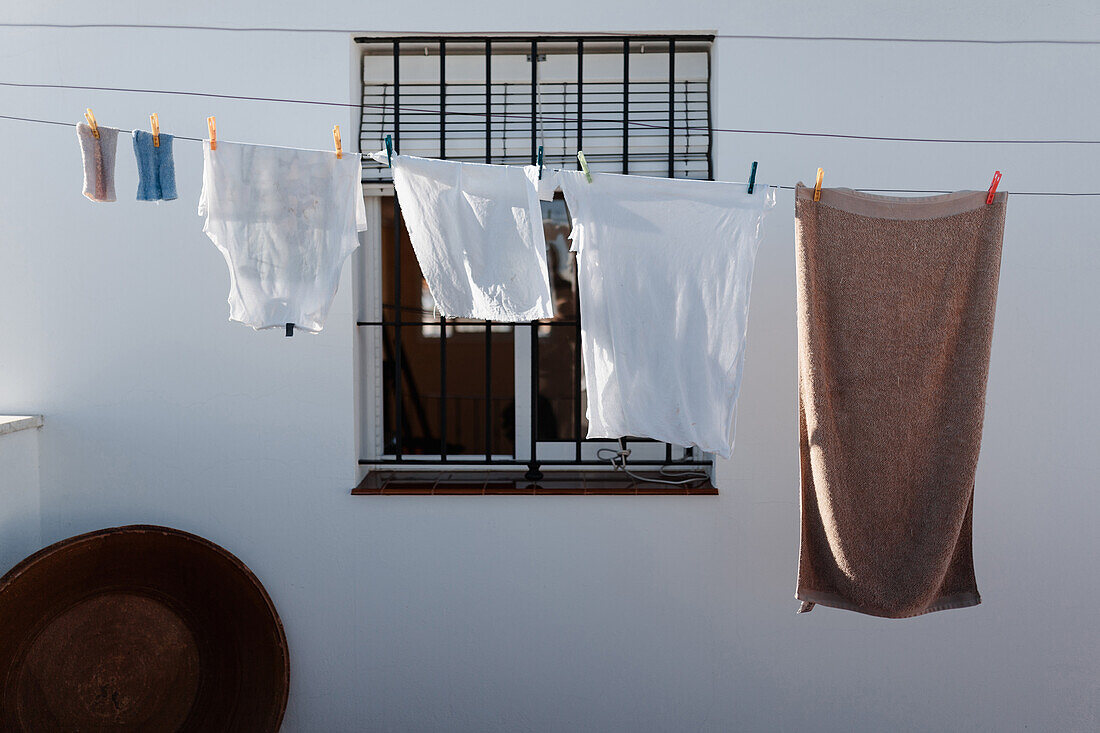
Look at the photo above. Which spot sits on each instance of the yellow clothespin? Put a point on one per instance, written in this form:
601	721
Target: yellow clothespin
213	133
336	139
155	124
91	122
584	165
817	186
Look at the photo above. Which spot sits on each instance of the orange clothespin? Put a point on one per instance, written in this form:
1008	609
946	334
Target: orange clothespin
213	133
155	124
91	122
817	186
993	187
336	139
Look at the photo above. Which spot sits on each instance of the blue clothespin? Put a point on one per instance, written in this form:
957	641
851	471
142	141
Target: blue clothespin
540	162
752	176
389	151
584	165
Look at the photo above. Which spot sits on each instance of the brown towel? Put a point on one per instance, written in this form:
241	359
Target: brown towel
895	319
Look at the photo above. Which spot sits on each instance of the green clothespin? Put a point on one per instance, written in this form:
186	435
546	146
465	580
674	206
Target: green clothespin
752	176
389	151
584	165
540	162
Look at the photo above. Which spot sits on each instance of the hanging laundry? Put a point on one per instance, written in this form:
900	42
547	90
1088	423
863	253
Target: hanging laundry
477	233
285	220
156	169
895	320
664	267
98	154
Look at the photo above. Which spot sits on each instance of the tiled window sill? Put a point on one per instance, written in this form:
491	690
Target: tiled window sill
554	483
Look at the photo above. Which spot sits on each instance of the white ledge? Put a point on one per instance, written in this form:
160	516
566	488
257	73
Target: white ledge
15	423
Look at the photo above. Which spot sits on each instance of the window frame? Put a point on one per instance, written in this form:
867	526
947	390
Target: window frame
584	471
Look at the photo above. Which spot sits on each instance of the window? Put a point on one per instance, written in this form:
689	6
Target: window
438	396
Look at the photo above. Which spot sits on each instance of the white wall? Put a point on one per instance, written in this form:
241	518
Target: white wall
20	508
565	613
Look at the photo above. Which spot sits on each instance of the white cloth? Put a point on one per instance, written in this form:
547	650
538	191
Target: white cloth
285	220
477	233
664	268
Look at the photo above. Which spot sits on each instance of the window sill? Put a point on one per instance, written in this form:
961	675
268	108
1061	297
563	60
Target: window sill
15	423
554	483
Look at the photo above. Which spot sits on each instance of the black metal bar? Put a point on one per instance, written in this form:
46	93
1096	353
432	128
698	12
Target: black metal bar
580	98
488	101
488	323
534	462
577	363
442	99
488	390
533	472
443	387
626	106
534	101
398	387
576	276
672	108
442	319
517	462
396	94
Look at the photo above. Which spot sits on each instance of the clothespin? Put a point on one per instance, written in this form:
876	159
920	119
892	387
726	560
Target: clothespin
584	165
289	330
817	186
540	162
213	133
993	187
389	151
752	176
155	124
91	122
336	139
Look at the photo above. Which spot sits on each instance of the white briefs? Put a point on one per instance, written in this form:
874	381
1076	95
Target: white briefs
285	220
477	233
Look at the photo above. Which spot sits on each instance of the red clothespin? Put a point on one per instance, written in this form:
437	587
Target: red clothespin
993	187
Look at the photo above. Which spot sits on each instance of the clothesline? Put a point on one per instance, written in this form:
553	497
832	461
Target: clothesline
616	36
565	120
785	188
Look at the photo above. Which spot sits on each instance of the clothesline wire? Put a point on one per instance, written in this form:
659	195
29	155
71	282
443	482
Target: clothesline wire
785	188
641	36
527	117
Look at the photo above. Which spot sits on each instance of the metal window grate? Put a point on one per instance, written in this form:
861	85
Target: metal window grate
634	104
611	97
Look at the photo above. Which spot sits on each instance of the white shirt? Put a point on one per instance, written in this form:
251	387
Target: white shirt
285	220
664	267
477	233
